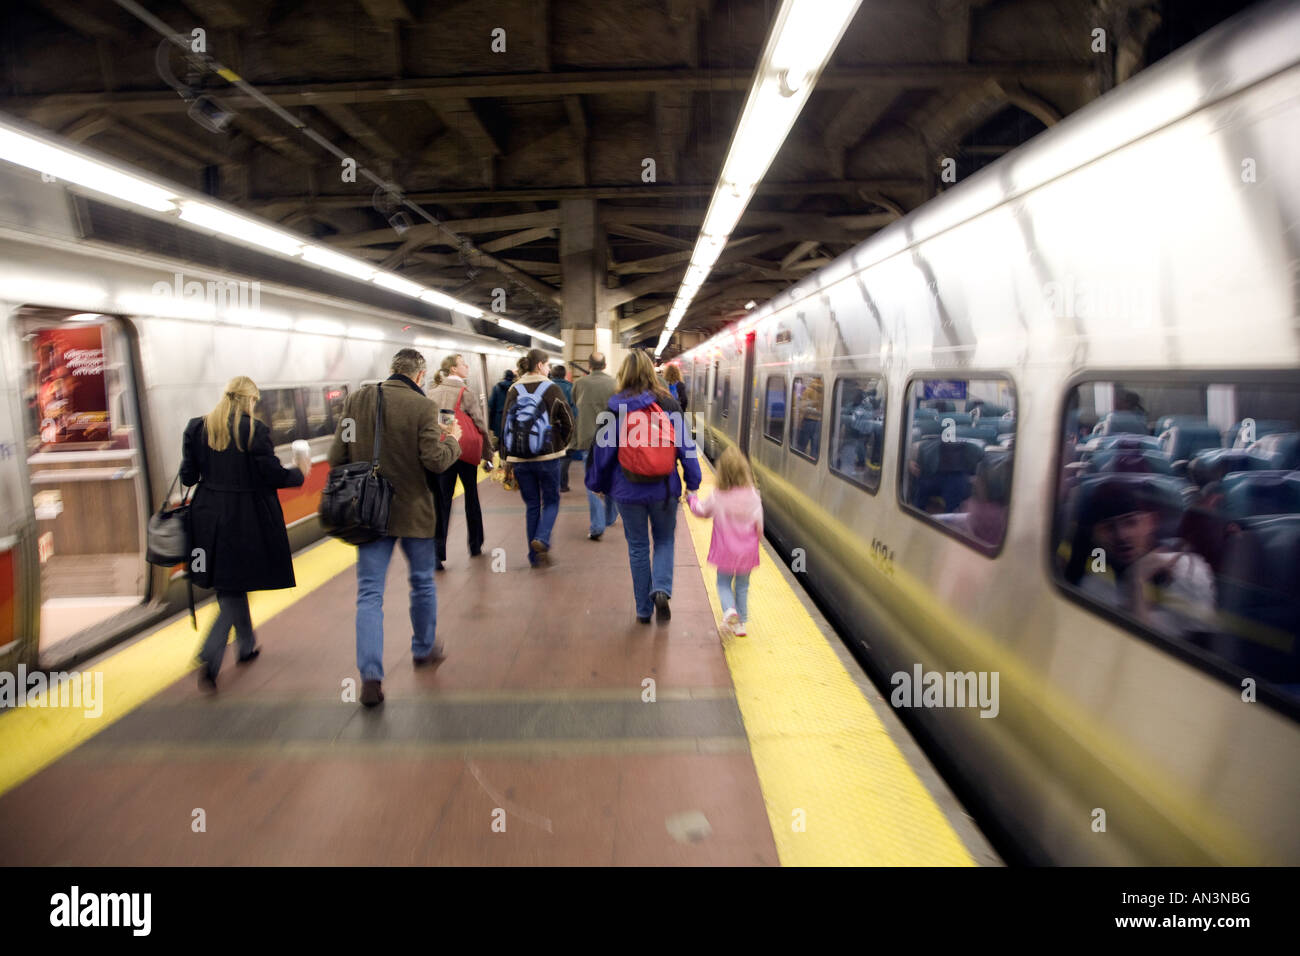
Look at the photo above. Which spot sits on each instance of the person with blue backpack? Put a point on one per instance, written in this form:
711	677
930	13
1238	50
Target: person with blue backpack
536	427
638	447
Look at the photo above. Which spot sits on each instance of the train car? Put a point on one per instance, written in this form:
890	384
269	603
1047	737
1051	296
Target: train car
105	352
1034	449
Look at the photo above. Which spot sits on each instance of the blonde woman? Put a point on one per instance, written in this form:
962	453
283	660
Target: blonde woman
451	391
237	533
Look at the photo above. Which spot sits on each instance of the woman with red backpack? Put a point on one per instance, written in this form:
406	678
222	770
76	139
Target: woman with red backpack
453	397
636	453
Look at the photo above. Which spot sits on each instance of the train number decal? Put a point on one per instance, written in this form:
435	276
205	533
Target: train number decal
883	557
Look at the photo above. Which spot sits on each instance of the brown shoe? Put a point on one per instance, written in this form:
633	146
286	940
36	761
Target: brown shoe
433	660
372	693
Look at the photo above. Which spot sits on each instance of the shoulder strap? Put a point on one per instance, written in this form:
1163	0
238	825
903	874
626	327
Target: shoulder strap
459	395
379	423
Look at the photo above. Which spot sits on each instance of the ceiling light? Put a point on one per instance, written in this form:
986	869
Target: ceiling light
231	226
398	284
471	311
327	259
438	298
750	304
62	163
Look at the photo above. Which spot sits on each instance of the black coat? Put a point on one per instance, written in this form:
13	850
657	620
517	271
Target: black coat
235	514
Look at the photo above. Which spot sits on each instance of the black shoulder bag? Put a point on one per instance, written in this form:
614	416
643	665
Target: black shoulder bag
167	538
355	503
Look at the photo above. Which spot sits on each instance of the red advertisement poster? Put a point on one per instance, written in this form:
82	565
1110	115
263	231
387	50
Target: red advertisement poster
71	398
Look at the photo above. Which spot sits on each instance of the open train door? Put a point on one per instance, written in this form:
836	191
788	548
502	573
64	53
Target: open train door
747	394
85	472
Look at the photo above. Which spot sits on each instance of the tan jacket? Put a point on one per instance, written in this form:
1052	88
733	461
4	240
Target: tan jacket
413	446
444	396
591	394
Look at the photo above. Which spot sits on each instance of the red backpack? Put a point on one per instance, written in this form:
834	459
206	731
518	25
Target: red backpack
471	442
647	446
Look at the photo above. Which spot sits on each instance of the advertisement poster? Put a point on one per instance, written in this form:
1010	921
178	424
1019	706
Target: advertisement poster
72	402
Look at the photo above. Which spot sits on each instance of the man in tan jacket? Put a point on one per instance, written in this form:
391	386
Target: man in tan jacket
412	444
592	394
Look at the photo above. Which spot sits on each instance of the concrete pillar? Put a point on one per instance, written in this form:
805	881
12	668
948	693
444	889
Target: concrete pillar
584	323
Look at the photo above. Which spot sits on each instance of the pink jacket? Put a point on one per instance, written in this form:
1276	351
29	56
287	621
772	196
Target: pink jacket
737	527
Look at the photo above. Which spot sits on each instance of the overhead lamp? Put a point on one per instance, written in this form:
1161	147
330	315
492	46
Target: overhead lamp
438	298
516	327
335	262
61	163
472	311
231	226
85	317
398	284
750	304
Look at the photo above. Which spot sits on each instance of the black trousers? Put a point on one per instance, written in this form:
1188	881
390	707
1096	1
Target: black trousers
468	475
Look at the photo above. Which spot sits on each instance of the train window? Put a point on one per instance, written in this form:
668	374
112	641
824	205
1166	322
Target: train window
858	430
806	432
1178	513
774	409
278	409
959	439
323	407
726	397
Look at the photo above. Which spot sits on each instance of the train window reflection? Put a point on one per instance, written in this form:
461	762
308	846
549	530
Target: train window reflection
960	440
278	409
806	432
774	409
1178	509
858	430
726	396
323	407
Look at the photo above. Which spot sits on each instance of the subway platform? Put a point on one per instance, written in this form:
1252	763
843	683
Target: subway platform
558	731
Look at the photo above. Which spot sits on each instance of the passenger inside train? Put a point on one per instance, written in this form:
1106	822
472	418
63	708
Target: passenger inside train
1186	517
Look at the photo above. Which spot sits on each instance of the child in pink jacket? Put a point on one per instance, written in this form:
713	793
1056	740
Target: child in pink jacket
737	513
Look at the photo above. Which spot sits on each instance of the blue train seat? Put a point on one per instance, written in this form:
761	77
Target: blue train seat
1115	423
1248	494
1181	441
1212	464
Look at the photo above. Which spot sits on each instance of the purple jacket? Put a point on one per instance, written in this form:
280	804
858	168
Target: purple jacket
737	515
605	477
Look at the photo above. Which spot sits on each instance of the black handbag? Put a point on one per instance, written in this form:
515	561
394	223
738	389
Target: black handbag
355	503
167	537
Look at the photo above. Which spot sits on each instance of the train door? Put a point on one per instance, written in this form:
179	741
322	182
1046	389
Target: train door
746	393
85	468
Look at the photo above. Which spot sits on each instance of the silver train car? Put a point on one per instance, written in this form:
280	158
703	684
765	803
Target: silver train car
1046	428
105	353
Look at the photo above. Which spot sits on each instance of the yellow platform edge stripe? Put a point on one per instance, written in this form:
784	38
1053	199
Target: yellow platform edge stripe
33	737
838	792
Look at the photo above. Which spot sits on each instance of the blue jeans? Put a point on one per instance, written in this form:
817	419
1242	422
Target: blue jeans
603	508
539	483
372	570
661	520
737	597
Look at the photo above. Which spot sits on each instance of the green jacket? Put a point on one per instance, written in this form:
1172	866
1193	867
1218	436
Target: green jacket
413	446
591	394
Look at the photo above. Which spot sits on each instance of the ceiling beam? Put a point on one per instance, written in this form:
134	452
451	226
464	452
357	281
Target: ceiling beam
73	14
432	234
797	253
218	14
347	120
518	239
455	89
92	124
272	137
578	129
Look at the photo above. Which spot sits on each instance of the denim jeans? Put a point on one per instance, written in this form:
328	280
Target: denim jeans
603	508
372	570
737	596
232	611
539	483
641	523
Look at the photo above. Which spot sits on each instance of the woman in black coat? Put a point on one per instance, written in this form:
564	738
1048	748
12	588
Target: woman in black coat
238	539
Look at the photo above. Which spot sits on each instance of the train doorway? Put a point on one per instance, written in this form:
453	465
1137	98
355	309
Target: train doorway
85	469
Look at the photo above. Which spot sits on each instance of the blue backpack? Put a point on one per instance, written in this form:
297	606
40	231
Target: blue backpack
527	427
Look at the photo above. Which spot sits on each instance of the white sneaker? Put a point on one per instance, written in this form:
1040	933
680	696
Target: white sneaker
738	628
730	621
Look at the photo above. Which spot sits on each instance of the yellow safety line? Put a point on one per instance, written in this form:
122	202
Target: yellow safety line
838	791
34	736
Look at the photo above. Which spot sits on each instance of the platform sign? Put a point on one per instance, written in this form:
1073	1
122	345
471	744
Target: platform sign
944	388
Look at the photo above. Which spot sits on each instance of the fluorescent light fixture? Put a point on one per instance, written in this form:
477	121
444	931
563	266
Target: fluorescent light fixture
464	309
86	317
750	304
438	298
231	226
803	37
516	327
365	332
327	259
398	284
63	163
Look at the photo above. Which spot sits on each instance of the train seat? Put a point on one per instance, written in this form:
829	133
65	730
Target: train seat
1259	585
1167	422
985	433
1249	494
985	411
924	412
1132	460
926	427
1122	440
1181	441
1213	463
945	470
1116	423
957	418
1281	448
1167	494
1263	426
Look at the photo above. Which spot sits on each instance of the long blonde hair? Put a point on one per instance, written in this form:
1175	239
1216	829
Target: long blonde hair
239	398
733	470
637	374
449	363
